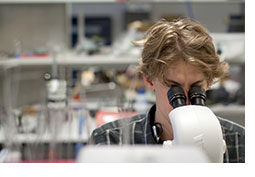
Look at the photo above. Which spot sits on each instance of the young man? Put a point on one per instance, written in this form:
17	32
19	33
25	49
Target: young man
178	53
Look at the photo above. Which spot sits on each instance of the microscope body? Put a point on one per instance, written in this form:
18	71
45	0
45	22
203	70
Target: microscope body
195	125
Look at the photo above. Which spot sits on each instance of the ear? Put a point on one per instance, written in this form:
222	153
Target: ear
149	84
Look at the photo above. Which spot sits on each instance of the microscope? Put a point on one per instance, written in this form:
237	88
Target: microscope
195	124
197	136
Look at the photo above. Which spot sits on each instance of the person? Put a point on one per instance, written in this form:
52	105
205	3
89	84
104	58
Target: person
175	53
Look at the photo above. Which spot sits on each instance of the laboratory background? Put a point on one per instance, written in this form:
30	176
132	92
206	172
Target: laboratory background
67	67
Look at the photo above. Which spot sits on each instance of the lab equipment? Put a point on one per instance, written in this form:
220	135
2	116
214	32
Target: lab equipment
197	96
141	154
195	125
3	155
176	97
141	104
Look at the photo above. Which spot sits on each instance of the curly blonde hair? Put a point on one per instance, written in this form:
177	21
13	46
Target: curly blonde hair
168	42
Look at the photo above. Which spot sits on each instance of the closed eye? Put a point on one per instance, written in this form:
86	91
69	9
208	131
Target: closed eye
197	83
171	83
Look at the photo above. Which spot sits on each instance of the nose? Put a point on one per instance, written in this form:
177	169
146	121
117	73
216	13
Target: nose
187	97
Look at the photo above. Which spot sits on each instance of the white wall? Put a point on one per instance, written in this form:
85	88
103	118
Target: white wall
34	25
213	15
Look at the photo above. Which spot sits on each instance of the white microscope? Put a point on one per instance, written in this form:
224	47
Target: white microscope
195	124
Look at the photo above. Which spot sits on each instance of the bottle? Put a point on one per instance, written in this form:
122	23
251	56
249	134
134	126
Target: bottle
141	103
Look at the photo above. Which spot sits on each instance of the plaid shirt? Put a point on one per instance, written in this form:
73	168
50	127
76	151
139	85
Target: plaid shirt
137	130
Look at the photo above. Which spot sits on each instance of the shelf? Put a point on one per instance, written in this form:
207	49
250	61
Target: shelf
231	44
45	138
56	1
73	60
185	1
112	1
68	134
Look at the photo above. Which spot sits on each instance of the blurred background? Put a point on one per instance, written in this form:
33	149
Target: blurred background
67	67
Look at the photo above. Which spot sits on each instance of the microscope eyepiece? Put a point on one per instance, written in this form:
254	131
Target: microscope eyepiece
176	97
197	96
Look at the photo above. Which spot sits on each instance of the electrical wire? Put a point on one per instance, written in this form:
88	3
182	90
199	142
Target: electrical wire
189	9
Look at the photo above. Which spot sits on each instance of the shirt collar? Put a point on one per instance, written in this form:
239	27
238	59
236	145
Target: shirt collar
150	116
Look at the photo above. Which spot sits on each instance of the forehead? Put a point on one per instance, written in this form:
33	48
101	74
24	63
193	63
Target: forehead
182	71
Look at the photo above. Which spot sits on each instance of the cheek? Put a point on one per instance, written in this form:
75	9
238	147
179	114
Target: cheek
162	101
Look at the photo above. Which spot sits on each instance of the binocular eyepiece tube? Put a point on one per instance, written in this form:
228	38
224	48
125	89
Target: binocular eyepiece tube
177	98
197	96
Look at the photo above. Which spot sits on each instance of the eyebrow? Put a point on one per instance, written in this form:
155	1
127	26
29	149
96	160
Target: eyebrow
177	83
171	81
